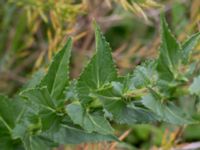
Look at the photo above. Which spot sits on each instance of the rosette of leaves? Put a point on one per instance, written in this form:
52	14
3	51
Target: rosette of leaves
55	110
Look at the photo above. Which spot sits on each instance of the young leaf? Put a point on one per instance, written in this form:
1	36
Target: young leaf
29	127
169	58
144	74
57	77
99	71
41	103
188	45
167	111
123	112
39	97
71	91
29	123
89	122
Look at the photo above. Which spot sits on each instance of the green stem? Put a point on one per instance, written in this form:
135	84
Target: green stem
5	123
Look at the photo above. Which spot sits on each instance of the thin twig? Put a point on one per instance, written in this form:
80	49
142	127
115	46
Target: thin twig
122	137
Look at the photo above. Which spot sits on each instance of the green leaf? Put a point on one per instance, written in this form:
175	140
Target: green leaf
188	45
6	141
57	77
49	119
42	104
169	58
123	112
37	143
167	111
90	122
71	91
29	123
70	135
194	87
145	74
29	128
39	97
100	70
10	110
4	135
35	80
6	113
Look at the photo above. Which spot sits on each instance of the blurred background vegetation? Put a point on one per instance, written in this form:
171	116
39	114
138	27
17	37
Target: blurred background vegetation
31	31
